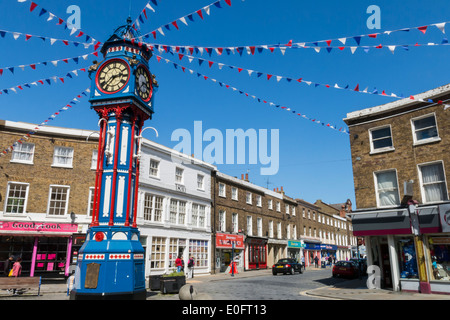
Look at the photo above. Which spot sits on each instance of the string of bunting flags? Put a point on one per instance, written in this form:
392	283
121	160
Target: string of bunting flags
46	63
144	14
17	35
316	45
224	85
27	136
184	19
42	81
278	78
60	21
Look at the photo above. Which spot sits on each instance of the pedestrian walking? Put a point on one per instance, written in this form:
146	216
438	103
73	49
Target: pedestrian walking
178	263
191	264
330	260
17	271
7	267
316	262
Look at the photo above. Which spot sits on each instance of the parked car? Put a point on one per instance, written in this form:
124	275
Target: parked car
362	263
287	265
345	269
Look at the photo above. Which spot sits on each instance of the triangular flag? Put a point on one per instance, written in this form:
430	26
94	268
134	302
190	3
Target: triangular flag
441	26
423	29
392	48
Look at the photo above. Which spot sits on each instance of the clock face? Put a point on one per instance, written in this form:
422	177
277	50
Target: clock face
143	86
113	76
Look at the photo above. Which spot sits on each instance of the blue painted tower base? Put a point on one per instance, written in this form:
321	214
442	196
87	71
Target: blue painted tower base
110	265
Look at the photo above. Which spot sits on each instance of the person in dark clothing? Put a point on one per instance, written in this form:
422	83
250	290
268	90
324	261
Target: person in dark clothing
316	261
8	266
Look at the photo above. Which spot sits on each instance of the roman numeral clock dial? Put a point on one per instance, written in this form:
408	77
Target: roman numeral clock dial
143	85
113	76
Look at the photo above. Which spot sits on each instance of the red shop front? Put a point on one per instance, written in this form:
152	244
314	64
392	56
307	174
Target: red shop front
256	253
44	247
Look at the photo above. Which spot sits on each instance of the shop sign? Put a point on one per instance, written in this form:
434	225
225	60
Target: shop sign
444	213
295	244
226	241
328	247
43	227
312	246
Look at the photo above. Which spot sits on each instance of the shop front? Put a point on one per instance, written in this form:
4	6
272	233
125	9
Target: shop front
312	250
256	253
229	247
327	251
45	248
413	253
295	249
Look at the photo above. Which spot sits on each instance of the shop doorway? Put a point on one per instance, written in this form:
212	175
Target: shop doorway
386	280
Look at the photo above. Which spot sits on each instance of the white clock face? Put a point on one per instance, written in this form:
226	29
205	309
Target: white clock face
113	76
143	85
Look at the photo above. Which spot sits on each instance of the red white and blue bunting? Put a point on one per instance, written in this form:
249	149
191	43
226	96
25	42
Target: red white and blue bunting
272	104
185	19
26	36
59	21
33	66
69	75
143	14
27	136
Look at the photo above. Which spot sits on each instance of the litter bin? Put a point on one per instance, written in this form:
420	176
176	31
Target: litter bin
324	264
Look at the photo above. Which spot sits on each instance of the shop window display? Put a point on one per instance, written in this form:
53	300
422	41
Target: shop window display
407	259
440	257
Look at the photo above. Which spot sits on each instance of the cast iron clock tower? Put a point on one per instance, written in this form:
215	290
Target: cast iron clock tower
111	261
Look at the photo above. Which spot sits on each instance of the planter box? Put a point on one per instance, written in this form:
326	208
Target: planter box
172	284
154	282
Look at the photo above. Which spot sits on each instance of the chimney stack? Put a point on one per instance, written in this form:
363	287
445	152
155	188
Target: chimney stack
246	177
282	191
242	176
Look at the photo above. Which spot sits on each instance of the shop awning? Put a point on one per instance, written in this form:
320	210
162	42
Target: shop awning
381	222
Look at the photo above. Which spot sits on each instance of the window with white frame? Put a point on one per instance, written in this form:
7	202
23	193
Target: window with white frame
200	182
288	231
386	187
271	229
258	200
293	210
179	175
221	189
222	216
432	181
199	250
287	209
23	153
177	214
16	197
94	159
234	193
153	207
198	215
249	225
425	129
158	253
279	235
63	157
91	201
294	232
278	206
58	200
248	198
381	139
270	204
234	222
154	168
259	226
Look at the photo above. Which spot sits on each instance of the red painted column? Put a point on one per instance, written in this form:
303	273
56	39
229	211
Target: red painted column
98	176
136	187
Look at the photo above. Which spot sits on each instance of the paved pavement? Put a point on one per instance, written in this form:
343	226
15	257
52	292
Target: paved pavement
348	290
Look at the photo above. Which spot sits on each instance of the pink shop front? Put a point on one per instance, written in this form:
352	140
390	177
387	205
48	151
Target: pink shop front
45	248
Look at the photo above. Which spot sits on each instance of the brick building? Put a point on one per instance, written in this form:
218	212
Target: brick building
45	195
400	156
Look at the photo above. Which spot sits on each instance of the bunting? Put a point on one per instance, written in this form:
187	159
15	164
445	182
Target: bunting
69	75
297	80
143	14
251	50
59	22
52	41
272	104
185	19
27	136
33	66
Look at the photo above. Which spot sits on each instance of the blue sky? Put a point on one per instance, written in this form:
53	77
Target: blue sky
315	161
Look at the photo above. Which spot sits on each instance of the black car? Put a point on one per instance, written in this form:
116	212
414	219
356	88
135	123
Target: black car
287	265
